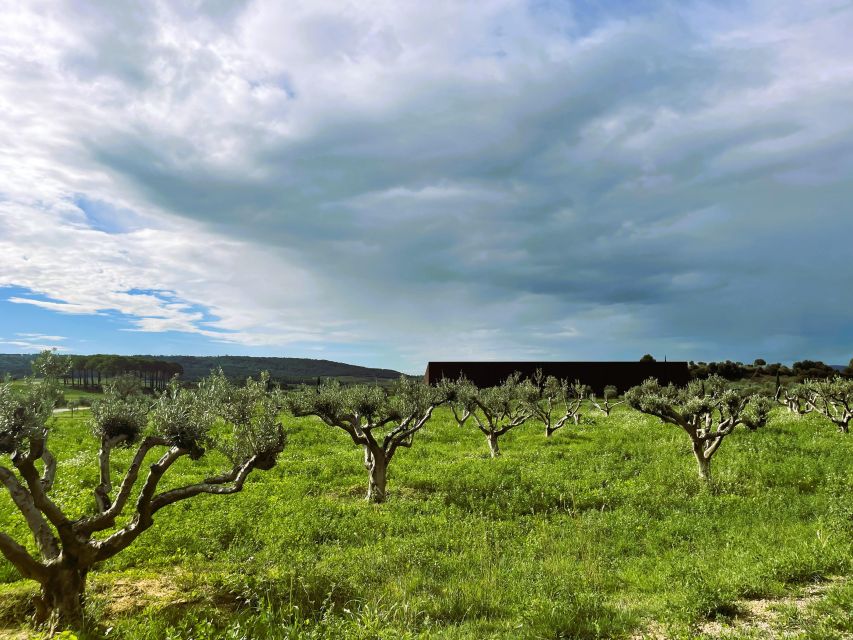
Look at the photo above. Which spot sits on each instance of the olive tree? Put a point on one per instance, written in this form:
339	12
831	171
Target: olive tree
831	398
705	409
793	398
377	421
556	402
606	406
494	410
124	386
183	423
757	412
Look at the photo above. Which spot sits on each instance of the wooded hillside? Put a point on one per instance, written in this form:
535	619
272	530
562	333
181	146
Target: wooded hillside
238	367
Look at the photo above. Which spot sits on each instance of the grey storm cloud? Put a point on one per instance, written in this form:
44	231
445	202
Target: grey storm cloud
503	178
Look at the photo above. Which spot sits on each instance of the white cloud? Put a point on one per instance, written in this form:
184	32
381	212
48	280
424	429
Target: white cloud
495	178
39	336
176	278
30	345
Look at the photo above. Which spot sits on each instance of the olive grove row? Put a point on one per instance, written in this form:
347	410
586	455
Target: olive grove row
241	424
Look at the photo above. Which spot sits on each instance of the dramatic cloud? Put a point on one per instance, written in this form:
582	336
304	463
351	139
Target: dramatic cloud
415	180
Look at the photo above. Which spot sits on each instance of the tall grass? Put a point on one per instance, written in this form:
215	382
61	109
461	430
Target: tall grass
597	532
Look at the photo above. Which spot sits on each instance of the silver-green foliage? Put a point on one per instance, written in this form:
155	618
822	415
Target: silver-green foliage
123	386
48	364
831	398
380	421
251	414
185	417
24	412
494	410
757	411
121	414
707	410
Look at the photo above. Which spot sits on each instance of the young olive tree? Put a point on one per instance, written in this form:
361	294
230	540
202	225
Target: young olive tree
794	399
557	402
705	409
757	412
377	421
183	423
51	366
124	386
831	398
606	406
553	396
494	410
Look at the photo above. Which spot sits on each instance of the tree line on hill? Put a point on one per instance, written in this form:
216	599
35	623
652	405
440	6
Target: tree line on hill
801	370
286	371
293	371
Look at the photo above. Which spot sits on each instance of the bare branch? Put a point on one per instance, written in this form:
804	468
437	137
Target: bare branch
711	449
404	438
31	476
46	542
49	473
21	560
107	518
102	491
463	419
142	519
214	485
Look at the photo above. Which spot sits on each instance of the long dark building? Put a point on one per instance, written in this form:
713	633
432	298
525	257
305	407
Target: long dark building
622	375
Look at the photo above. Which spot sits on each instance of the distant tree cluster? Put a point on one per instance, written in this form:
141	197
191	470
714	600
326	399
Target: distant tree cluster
813	369
739	371
92	371
286	371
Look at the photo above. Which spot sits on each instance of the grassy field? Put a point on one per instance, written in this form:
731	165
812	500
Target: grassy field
71	394
79	395
602	531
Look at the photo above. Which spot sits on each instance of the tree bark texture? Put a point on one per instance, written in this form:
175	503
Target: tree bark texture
703	462
494	449
377	466
60	603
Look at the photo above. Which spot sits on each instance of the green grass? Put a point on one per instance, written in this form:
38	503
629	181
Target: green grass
78	394
602	531
70	393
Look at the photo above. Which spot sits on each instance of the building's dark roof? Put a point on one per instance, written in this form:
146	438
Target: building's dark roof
622	375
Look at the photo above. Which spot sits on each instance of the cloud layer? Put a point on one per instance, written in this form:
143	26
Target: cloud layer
434	180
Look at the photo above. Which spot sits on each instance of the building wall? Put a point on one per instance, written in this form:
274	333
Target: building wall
622	375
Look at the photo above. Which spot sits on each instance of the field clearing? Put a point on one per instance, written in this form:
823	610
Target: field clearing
604	530
71	393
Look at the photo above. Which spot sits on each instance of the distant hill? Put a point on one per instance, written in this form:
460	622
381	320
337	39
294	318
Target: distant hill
292	370
16	364
283	369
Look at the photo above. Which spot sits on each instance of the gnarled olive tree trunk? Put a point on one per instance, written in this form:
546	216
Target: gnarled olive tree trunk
60	603
494	449
376	463
703	461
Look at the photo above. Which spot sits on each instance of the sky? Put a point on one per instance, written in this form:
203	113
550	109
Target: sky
391	182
